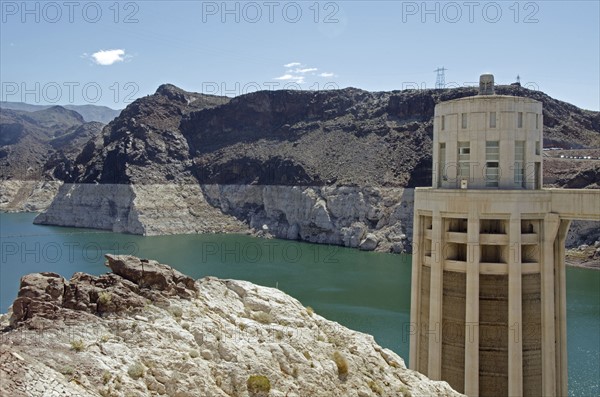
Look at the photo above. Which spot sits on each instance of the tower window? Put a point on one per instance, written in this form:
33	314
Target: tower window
492	166
492	119
464	157
537	121
443	123
519	181
464	120
537	148
442	165
520	120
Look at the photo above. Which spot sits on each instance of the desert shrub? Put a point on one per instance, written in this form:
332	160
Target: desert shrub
136	371
405	392
105	377
104	298
342	364
77	345
310	310
375	388
258	384
263	317
176	311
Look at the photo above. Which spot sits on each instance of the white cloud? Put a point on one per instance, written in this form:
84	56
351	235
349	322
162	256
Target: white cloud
296	72
291	77
108	57
306	70
285	77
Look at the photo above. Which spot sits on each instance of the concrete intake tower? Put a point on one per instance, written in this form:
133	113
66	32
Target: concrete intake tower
488	308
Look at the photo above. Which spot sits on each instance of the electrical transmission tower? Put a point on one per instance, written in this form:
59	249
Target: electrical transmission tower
440	81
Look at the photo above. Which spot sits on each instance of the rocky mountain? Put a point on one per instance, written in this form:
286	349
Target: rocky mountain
321	166
147	330
102	114
341	137
144	144
28	140
36	150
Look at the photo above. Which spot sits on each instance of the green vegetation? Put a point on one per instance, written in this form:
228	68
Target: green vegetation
263	317
342	364
405	392
258	384
78	345
67	370
375	388
104	298
176	311
136	371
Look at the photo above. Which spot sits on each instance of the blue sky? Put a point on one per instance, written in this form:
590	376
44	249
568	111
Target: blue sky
109	53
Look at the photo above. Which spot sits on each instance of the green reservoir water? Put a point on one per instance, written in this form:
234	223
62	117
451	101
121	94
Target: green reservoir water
368	292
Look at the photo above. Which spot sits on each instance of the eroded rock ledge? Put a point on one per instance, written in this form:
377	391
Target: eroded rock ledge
147	330
368	218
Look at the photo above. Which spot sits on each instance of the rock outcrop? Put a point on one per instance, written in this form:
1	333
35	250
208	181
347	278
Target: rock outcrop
337	215
330	167
149	210
27	196
148	330
37	150
89	113
347	137
32	143
366	218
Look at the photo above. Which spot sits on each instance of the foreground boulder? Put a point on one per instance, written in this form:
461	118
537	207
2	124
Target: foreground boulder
147	330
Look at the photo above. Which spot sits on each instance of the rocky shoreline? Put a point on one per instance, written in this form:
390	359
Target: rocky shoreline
369	218
147	330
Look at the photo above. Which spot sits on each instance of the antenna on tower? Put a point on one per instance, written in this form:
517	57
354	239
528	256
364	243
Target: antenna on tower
518	79
440	80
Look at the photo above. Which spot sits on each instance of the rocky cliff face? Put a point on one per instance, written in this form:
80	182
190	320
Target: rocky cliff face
36	151
144	144
148	330
28	196
151	209
89	113
344	137
29	140
367	218
327	166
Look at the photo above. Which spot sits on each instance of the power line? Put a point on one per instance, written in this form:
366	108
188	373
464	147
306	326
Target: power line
440	80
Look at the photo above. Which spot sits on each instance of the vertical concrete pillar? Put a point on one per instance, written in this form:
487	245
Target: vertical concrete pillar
415	293
515	303
560	296
472	308
550	230
434	368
